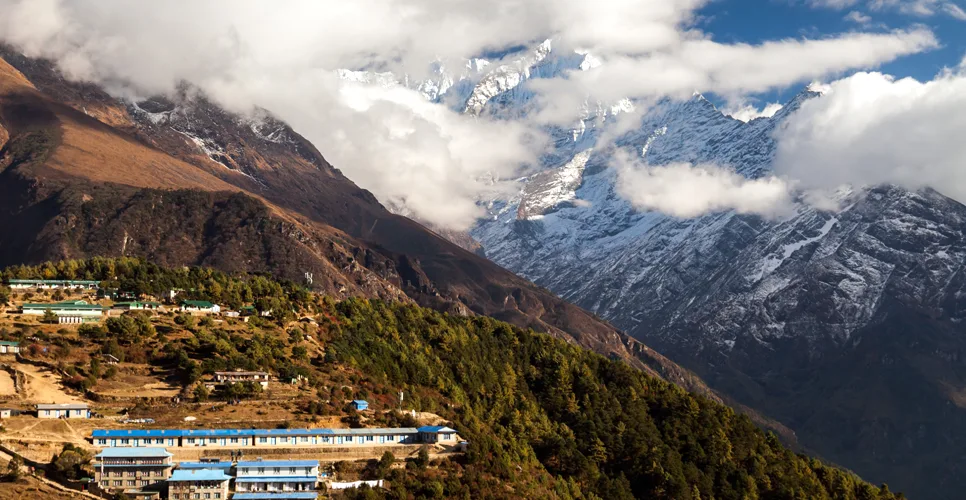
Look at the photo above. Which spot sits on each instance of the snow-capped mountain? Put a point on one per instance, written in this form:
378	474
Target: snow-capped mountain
809	317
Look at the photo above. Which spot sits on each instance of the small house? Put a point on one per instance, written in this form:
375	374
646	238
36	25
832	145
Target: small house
199	306
359	405
236	376
247	311
8	412
109	359
138	306
9	347
70	410
438	434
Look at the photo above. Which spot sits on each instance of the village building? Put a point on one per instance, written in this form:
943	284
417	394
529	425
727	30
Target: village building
27	284
138	306
9	347
123	438
218	464
199	307
438	434
72	311
257	438
290	495
116	294
188	484
69	410
359	405
124	468
236	376
9	412
109	359
276	476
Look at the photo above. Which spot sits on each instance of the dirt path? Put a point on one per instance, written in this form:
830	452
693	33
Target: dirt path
7	387
43	386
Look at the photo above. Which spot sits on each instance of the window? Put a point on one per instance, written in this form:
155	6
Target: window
191	440
197	495
308	471
261	470
125	441
263	440
369	438
101	441
277	470
217	495
145	483
159	441
212	440
46	412
207	495
234	440
118	482
131	482
305	439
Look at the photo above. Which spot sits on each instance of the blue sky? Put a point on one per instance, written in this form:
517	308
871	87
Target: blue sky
754	21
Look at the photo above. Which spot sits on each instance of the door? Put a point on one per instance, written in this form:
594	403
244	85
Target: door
113	443
338	440
274	441
382	439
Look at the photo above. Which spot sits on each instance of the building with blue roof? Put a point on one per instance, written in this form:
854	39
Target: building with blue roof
262	438
126	468
276	476
223	465
198	483
437	434
290	495
360	405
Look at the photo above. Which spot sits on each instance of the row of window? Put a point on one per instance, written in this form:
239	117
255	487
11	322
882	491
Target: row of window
275	470
190	496
132	473
129	482
235	440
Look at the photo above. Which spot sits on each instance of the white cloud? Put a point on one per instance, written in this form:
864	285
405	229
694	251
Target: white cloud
748	112
684	190
954	11
244	53
871	129
920	8
832	4
858	18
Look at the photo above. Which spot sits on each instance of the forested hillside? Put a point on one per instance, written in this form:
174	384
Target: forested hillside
544	418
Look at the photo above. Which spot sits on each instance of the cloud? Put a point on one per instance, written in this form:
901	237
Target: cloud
832	4
748	112
858	18
871	129
246	53
700	64
684	190
920	8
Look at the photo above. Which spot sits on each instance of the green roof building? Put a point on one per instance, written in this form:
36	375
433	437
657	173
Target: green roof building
21	284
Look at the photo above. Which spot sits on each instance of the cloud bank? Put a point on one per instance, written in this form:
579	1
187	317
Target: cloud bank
284	57
872	129
684	190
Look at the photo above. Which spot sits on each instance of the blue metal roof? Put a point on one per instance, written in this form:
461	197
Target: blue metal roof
204	465
216	433
199	475
133	453
435	428
136	433
279	463
288	495
274	479
360	401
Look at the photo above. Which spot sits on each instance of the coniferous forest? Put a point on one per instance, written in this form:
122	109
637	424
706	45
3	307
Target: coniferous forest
543	418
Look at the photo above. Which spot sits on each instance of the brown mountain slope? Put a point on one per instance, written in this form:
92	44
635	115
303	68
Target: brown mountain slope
183	182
